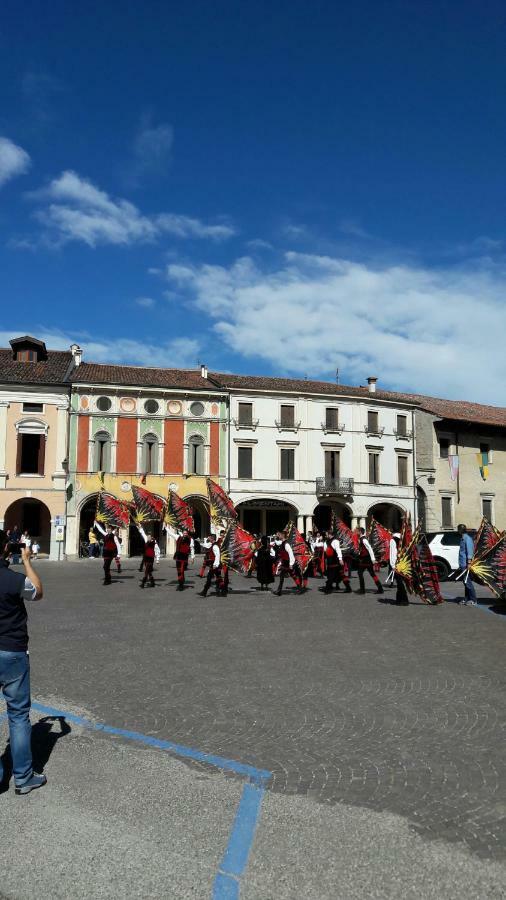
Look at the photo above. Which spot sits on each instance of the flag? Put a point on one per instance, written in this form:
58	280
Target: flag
143	478
148	507
404	562
425	577
178	514
482	459
111	511
487	536
490	568
379	538
347	539
237	548
101	478
454	463
220	504
300	550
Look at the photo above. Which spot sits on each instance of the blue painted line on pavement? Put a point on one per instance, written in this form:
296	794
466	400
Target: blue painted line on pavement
226	884
227	881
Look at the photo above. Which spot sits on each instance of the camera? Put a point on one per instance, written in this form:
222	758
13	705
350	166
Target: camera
15	548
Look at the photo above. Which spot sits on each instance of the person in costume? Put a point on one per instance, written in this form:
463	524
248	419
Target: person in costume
117	544
214	573
183	550
366	562
225	574
148	558
286	564
208	557
117	558
264	556
110	550
401	594
319	559
334	565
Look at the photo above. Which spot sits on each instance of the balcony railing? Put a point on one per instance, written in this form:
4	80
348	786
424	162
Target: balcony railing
342	486
287	426
403	435
374	432
250	424
333	427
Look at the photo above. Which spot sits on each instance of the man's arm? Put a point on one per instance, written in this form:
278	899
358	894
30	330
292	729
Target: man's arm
98	526
31	573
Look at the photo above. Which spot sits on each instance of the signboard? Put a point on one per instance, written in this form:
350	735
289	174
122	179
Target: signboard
60	533
59	520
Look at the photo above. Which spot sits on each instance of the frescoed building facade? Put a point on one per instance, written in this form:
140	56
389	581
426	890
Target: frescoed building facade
160	428
34	404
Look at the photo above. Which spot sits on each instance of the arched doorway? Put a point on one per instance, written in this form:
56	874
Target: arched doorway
32	516
201	518
265	515
322	515
386	514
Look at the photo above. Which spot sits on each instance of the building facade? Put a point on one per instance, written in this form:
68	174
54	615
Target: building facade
159	428
34	404
303	450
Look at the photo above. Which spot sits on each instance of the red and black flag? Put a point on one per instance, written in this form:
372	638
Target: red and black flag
300	549
347	539
487	536
490	568
406	553
220	504
237	548
178	514
425	577
111	511
379	538
148	507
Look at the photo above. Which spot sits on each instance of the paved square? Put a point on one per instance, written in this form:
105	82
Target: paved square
383	727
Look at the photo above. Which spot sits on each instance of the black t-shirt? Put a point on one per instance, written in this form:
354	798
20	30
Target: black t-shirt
13	616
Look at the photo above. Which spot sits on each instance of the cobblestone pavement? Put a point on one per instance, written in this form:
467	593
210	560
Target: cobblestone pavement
344	698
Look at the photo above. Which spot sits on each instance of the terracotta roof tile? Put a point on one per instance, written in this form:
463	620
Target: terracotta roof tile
140	376
49	371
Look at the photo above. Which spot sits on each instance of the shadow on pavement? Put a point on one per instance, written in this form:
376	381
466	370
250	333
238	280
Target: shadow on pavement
44	739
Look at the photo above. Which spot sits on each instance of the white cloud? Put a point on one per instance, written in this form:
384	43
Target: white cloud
80	211
177	353
13	160
146	302
434	331
151	150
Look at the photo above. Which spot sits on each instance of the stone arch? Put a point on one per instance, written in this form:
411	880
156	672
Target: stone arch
201	520
387	514
31	515
323	512
266	515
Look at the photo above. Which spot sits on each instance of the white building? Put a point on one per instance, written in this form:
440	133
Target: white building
302	449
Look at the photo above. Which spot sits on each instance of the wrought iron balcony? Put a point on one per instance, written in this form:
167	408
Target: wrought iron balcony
342	486
333	427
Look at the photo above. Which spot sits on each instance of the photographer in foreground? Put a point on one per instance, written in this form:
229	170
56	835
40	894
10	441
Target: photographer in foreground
15	588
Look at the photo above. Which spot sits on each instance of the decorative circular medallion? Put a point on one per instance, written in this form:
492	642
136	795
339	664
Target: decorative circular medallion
197	408
127	404
174	407
214	409
173	486
85	403
104	404
125	485
151	406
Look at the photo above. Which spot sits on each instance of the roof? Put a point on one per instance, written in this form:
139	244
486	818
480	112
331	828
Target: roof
141	376
461	410
52	370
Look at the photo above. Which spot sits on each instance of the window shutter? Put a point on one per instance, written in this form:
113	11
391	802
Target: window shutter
42	454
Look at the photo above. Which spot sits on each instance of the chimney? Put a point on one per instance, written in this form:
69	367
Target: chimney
77	353
203	370
372	384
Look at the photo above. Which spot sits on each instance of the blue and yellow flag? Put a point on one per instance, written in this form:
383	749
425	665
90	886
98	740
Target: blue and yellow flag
482	459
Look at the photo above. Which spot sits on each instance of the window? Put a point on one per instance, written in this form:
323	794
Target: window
402	470
102	460
287	416
26	356
196	455
33	407
30	454
374	476
197	408
245	462
245	414
486	455
287	464
402	426
372	422
444	448
150	454
331	418
332	461
104	404
446	512
486	508
151	406
452	539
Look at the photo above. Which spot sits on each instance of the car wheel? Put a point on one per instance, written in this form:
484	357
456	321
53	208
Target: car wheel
443	569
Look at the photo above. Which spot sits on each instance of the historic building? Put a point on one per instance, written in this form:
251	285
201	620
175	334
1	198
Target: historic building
34	402
303	449
129	425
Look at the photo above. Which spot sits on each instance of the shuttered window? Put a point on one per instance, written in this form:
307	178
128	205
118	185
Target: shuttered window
245	462
287	416
402	470
287	464
374	473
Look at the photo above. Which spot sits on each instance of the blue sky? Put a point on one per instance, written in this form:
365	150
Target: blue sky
270	188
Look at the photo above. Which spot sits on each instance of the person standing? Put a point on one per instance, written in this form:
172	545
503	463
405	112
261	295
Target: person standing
401	594
214	573
208	558
92	544
334	565
264	557
286	564
111	549
15	588
466	553
148	557
183	549
366	562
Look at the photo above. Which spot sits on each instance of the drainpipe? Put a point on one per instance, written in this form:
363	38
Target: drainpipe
415	498
228	448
